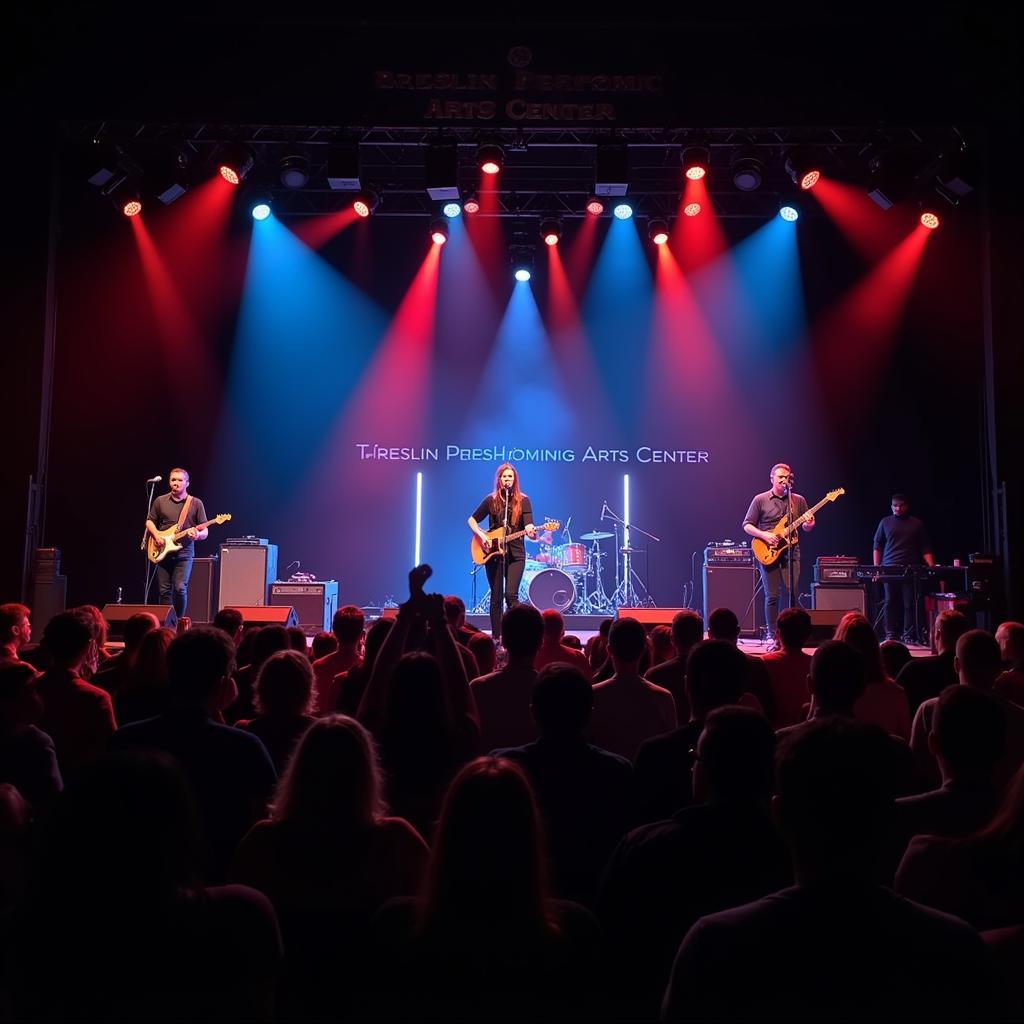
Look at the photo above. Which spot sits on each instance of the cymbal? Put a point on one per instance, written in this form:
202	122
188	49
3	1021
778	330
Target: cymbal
595	535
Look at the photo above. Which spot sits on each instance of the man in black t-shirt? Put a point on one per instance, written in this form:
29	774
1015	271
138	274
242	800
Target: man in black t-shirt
901	539
173	572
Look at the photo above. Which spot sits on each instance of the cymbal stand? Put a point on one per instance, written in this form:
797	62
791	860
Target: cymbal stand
596	601
625	595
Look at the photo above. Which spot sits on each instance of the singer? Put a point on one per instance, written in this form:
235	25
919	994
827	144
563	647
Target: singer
508	507
182	510
764	513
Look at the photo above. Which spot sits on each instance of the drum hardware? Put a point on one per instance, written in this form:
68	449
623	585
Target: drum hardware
596	535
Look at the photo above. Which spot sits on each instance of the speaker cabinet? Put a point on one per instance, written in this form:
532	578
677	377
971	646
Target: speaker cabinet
314	603
650	617
117	615
261	615
202	590
734	587
830	598
245	573
823	624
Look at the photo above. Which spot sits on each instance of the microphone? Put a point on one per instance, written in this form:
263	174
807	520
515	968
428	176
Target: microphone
565	529
154	480
604	505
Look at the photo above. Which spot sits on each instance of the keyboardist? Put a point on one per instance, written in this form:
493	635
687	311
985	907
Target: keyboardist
901	539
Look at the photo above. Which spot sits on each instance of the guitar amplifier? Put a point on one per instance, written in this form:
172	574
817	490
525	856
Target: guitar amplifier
315	603
728	553
834	569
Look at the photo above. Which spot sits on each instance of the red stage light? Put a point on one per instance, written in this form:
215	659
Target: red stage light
596	207
930	221
691	209
471	205
490	167
439	238
551	239
229	174
133	208
361	207
696	173
810	179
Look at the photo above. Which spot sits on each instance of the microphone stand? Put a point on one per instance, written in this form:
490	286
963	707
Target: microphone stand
150	568
628	596
504	557
789	554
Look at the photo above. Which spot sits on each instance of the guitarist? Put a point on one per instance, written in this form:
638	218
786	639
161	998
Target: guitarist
181	510
505	573
764	513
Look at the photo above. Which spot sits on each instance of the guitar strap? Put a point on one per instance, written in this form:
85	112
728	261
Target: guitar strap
184	513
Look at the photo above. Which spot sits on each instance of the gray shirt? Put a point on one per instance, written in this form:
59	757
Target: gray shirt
766	510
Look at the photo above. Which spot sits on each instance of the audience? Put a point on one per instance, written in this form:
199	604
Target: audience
1010	684
836	682
230	620
347	627
882	703
28	760
114	673
895	655
789	667
143	693
627	708
837	945
455	613
553	649
481	646
324	643
584	793
267	640
351	685
15	630
687	630
297	640
660	640
924	678
724	624
284	695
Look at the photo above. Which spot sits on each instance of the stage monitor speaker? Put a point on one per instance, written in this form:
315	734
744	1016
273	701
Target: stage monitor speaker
201	590
830	598
650	617
262	615
117	615
823	624
245	573
315	603
733	586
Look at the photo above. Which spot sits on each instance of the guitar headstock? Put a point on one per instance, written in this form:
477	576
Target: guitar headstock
550	524
832	495
224	517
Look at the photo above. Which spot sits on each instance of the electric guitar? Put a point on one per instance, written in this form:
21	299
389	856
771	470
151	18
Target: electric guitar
172	535
784	530
498	541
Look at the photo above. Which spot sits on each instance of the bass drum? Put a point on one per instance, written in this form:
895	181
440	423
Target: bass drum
551	588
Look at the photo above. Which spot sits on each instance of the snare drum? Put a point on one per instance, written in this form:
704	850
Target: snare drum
571	556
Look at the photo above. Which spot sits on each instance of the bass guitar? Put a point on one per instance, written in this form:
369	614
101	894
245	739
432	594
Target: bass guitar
497	541
784	530
172	538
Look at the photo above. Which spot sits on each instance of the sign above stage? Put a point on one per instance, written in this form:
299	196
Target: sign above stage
644	454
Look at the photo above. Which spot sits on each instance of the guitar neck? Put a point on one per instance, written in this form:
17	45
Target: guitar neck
178	534
800	520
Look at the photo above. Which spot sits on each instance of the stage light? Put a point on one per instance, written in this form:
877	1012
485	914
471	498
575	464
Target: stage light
131	207
747	169
789	213
260	205
365	202
166	174
595	206
522	274
802	168
294	172
657	231
930	220
419	518
623	211
451	210
472	204
343	167
696	160
439	232
442	170
234	161
490	157
894	172
611	169
691	209
551	231
101	163
521	257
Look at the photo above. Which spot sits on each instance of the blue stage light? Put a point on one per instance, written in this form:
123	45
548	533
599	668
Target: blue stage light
789	213
261	211
623	211
522	274
451	209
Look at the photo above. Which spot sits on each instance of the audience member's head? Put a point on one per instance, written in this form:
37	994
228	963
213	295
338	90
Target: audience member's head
573	641
735	757
199	664
269	640
627	642
149	669
333	779
968	734
835	797
284	685
297	639
723	625
100	628
716	674
794	629
836	677
894	656
15	626
481	646
605	628
323	643
230	621
69	638
1010	636
661	644
522	630
20	703
949	627
488	862
417	706
454	610
562	701
554	626
246	646
978	659
855	630
348	624
136	627
375	637
687	630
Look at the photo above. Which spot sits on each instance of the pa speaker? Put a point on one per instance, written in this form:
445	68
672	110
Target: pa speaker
823	624
245	573
202	590
650	617
733	587
264	615
117	615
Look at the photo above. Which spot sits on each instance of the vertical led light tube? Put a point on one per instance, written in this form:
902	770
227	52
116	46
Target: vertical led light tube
625	531
419	516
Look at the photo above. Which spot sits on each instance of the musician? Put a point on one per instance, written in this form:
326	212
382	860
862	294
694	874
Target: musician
520	517
173	572
764	513
901	539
